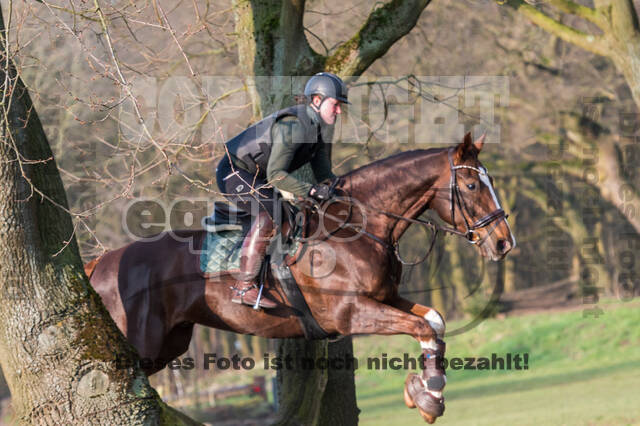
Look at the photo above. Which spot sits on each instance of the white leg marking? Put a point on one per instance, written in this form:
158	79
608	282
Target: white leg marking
436	322
431	344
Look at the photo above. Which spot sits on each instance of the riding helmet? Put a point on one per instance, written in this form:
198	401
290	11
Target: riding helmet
326	84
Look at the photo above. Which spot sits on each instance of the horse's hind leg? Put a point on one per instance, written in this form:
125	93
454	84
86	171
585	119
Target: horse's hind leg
174	343
425	391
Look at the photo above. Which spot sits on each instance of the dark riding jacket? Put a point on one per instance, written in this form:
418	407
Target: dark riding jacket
297	136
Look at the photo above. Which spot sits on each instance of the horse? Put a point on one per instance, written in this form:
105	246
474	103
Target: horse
156	290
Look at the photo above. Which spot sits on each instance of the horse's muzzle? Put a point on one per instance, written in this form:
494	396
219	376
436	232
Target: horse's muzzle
503	246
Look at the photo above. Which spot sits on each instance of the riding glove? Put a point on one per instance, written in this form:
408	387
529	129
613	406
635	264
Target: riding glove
320	192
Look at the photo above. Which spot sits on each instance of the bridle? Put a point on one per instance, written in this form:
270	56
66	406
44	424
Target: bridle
456	199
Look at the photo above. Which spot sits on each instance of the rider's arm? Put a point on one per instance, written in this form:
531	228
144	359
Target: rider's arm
283	149
321	162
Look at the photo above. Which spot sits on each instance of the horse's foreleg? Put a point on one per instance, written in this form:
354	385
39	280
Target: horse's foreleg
426	390
432	316
370	316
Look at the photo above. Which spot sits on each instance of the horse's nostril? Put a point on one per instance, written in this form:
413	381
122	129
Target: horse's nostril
502	246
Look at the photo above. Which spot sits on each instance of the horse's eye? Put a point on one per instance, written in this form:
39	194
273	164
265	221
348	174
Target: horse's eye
471	186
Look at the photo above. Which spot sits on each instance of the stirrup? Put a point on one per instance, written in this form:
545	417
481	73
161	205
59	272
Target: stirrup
260	300
239	293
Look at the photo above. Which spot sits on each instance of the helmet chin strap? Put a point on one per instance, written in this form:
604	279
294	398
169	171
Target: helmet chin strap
317	109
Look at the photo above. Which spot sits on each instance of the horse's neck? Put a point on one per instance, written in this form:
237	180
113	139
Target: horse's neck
403	184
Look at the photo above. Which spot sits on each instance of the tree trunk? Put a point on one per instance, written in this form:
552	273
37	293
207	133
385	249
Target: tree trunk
612	185
300	390
259	347
605	169
623	36
340	390
310	394
58	344
273	49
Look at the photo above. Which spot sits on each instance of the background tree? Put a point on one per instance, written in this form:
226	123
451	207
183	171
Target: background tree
613	32
273	43
610	29
58	344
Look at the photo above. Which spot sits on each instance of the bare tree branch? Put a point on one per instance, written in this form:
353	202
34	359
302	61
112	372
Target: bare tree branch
592	43
584	12
385	26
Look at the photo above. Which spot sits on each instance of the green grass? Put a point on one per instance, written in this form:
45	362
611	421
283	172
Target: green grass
581	371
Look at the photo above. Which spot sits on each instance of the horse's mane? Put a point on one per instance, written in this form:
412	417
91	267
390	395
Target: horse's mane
383	168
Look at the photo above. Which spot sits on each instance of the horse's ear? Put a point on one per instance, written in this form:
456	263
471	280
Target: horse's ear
467	140
463	148
480	142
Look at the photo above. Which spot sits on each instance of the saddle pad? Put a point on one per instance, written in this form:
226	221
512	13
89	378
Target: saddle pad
221	251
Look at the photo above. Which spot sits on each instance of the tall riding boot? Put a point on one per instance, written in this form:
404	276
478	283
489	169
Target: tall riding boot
253	251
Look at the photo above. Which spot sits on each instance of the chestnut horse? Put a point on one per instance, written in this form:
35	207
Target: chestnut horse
155	291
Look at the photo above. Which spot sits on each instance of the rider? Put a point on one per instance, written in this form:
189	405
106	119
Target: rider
254	165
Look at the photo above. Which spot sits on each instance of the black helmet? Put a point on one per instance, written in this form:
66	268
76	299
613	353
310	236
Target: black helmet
326	84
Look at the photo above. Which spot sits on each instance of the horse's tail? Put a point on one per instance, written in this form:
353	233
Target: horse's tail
91	266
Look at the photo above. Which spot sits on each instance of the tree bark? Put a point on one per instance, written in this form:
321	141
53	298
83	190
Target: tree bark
300	390
618	21
588	259
622	33
340	389
273	49
58	344
608	170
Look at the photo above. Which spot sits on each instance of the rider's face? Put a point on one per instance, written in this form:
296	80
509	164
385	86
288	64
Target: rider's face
328	110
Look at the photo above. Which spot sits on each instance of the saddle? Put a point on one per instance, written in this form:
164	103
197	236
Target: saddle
226	229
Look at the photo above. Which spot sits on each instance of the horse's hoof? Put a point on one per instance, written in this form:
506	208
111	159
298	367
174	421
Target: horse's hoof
429	406
427	417
408	401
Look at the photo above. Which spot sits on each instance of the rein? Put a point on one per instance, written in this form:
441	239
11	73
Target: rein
456	198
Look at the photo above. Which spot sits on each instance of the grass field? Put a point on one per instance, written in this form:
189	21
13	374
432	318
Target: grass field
582	370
